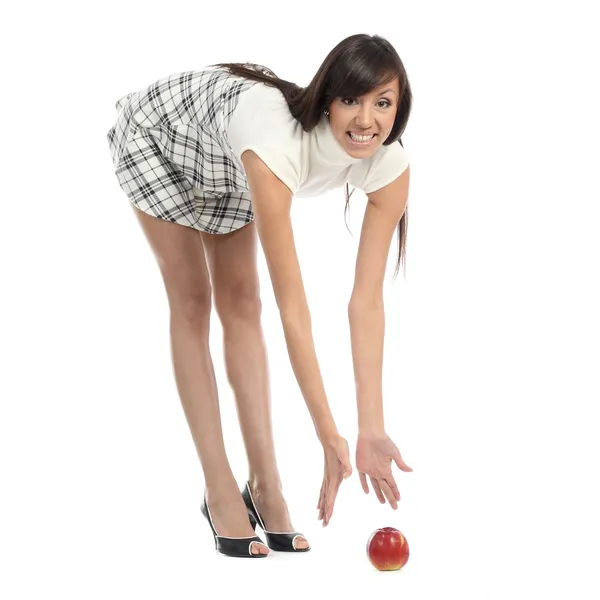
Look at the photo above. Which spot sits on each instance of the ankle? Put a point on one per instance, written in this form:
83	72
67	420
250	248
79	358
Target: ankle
221	488
265	483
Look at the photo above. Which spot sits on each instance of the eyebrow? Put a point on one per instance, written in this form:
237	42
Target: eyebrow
388	90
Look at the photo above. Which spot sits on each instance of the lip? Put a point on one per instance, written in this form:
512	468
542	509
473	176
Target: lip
361	144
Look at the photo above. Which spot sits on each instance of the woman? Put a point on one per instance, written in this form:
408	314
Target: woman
210	160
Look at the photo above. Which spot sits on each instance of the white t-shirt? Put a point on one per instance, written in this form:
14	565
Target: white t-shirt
308	163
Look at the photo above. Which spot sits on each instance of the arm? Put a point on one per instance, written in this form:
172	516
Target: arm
365	309
271	203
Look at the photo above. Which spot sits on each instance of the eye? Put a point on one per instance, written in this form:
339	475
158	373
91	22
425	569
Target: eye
385	105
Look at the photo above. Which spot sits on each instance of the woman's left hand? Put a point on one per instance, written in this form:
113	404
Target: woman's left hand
337	467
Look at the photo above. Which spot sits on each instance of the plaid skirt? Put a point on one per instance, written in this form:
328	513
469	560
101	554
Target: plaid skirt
170	152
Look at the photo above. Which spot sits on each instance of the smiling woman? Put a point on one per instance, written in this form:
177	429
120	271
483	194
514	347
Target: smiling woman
367	71
211	160
368	121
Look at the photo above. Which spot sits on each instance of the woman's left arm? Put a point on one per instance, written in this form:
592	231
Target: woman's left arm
375	450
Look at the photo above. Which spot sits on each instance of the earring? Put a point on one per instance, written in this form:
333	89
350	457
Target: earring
326	111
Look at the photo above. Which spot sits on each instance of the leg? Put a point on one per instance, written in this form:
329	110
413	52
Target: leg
234	276
180	257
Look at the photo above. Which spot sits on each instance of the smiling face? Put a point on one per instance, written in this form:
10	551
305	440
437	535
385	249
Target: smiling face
362	124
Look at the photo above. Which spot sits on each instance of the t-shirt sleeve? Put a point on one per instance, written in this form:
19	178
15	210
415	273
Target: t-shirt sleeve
263	123
387	164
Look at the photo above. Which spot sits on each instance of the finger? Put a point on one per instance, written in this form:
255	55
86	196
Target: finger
363	482
377	489
329	511
387	492
320	503
321	495
392	483
400	462
347	468
333	490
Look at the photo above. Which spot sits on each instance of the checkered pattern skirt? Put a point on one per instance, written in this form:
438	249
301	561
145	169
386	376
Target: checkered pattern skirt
170	151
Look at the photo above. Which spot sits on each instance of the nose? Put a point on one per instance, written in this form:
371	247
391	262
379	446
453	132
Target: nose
364	117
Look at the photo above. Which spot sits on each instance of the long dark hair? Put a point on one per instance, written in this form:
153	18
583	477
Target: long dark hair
357	65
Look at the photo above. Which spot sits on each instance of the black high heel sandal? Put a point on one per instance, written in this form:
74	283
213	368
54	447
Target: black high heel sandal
278	541
238	547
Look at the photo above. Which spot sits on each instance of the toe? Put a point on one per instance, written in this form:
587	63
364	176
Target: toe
300	543
258	548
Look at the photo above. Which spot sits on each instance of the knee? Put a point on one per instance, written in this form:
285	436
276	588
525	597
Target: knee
191	304
238	300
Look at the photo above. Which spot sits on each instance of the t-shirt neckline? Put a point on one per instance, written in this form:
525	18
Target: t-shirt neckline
326	148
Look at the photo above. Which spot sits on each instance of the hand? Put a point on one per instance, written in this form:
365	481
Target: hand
337	467
374	455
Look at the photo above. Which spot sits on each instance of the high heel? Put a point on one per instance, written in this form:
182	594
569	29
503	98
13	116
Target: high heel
230	546
278	541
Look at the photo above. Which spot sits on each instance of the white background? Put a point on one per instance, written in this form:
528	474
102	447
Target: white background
492	351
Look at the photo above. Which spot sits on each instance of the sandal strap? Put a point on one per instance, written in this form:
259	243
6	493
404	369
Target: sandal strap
281	541
284	542
237	546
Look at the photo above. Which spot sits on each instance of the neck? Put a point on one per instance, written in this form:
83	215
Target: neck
327	148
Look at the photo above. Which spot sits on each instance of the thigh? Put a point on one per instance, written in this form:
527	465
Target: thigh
180	257
154	183
232	262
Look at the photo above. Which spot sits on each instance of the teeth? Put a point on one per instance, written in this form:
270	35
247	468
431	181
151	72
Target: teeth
361	138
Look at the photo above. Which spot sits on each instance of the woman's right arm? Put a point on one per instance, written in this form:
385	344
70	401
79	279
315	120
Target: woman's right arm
271	205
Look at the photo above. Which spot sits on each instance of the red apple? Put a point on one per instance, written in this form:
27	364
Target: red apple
387	549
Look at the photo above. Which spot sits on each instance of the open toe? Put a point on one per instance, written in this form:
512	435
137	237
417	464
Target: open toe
300	543
258	548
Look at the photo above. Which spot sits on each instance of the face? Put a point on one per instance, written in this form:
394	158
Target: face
370	117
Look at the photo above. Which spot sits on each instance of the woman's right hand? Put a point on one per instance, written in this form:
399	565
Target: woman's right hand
374	455
337	467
